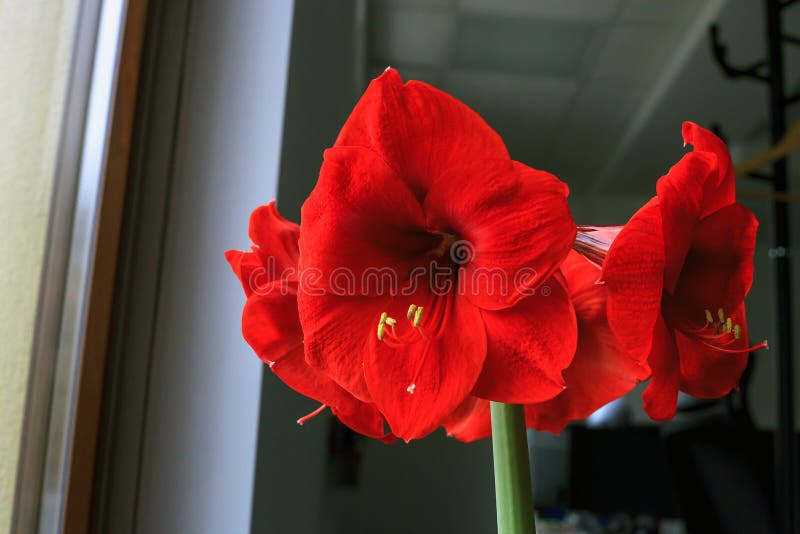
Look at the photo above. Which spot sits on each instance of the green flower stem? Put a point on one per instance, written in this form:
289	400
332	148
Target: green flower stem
512	479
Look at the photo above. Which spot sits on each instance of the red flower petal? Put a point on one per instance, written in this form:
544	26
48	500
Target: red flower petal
601	371
274	256
661	395
248	269
275	238
360	416
337	336
366	420
516	226
420	131
361	220
718	270
708	373
680	195
633	273
720	190
270	325
471	421
528	346
418	384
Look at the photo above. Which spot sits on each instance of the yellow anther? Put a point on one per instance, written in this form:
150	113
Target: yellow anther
411	310
728	325
709	317
721	315
390	321
382	325
737	331
418	316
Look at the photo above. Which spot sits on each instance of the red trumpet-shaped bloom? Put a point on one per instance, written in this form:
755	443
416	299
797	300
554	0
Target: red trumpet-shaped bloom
422	246
677	274
271	326
601	371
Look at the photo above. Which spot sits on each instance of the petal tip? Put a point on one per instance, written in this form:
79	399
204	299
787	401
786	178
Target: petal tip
657	407
389	75
687	132
232	255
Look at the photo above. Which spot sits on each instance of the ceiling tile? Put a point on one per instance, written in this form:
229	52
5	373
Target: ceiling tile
520	96
524	110
636	53
418	37
525	46
604	106
675	12
581	10
592	127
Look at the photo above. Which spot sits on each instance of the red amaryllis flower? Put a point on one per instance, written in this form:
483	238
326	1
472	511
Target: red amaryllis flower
677	274
601	371
420	246
272	328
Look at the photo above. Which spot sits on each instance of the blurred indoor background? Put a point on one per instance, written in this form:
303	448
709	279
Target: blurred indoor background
174	425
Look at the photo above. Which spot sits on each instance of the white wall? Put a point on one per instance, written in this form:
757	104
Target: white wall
203	400
35	58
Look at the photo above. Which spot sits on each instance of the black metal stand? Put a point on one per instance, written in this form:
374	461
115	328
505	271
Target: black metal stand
771	71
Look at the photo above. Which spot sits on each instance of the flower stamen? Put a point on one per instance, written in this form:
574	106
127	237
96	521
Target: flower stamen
313	414
720	334
435	325
382	325
385	321
414	315
417	317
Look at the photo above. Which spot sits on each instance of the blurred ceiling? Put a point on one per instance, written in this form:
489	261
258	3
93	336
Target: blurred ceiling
592	90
